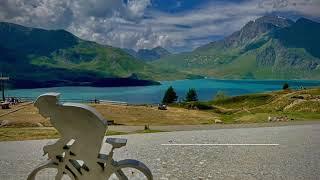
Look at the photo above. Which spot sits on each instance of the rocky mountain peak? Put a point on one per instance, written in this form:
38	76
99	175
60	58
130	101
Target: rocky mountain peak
149	54
277	21
304	21
256	28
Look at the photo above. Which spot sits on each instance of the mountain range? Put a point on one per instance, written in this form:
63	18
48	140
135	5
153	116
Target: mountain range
35	57
149	55
271	47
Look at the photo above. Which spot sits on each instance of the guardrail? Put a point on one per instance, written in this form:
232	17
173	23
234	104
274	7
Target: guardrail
113	102
93	101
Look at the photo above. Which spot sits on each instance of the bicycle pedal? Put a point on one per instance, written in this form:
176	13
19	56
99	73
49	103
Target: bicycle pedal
117	142
69	144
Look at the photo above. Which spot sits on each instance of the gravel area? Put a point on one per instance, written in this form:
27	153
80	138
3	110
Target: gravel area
296	157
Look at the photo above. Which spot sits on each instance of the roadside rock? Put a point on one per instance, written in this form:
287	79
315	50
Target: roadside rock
39	124
279	119
4	123
218	121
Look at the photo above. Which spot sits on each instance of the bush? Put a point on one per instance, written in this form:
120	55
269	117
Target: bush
220	96
191	95
197	105
170	96
146	127
285	86
202	106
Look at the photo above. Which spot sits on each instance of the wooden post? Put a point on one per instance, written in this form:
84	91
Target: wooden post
2	79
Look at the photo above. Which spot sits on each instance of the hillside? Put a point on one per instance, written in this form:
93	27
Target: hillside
149	54
285	105
282	105
270	47
35	57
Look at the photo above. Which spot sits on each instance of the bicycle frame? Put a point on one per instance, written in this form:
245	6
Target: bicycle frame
76	153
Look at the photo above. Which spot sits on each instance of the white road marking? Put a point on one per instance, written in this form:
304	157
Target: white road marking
220	144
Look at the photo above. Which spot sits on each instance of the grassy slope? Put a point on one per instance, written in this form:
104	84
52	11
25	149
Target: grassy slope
114	62
299	105
103	60
106	61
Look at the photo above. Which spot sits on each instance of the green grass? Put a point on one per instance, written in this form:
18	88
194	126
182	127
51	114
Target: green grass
246	101
194	105
114	133
148	131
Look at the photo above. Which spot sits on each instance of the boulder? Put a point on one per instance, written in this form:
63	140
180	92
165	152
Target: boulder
4	123
278	119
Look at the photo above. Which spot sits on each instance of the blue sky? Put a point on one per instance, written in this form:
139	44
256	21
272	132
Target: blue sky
178	25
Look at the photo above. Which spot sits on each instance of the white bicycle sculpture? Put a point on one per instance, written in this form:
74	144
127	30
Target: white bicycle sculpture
77	154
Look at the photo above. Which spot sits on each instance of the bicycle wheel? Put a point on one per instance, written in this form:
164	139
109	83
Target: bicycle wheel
131	169
65	175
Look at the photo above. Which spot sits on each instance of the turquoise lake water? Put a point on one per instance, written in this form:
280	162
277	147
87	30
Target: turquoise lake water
206	89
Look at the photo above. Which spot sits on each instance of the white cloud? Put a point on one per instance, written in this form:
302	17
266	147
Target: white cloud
41	13
137	7
304	7
124	25
221	19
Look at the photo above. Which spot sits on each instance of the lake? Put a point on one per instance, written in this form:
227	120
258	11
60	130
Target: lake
206	89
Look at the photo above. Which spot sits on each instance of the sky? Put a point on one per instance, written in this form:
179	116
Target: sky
177	25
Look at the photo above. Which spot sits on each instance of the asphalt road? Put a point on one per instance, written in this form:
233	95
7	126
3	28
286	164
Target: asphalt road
296	157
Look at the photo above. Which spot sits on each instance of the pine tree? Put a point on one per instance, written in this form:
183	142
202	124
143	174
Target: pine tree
170	96
285	86
191	95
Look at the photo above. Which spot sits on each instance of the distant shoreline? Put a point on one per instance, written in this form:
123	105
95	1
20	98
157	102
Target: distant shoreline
17	84
101	82
153	94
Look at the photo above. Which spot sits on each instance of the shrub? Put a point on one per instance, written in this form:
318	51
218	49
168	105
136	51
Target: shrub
285	86
220	96
202	106
197	105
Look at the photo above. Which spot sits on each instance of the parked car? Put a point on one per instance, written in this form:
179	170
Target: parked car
162	107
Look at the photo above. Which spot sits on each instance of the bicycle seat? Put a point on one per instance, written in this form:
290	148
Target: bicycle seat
116	142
